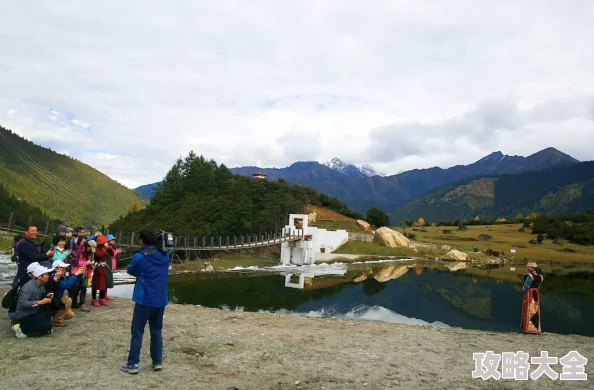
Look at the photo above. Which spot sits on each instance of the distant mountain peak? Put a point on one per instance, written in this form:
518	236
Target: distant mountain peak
348	169
493	157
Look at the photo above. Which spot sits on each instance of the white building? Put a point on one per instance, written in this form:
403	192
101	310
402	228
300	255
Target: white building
313	241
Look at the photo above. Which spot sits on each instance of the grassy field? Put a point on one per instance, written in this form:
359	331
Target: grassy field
505	237
226	260
349	226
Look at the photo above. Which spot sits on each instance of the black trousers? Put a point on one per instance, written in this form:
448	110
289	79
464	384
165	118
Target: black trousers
34	324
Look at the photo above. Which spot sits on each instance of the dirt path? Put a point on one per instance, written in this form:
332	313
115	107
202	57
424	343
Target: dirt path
215	349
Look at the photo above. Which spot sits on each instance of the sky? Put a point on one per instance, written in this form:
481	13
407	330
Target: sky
129	87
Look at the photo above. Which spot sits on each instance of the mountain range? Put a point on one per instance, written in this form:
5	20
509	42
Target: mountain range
359	191
557	191
360	187
336	165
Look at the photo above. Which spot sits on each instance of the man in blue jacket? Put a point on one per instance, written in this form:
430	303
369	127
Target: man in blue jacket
150	266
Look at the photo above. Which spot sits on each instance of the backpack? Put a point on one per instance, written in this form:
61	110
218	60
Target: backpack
10	298
14	257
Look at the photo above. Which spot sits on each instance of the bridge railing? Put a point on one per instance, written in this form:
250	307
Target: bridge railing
12	224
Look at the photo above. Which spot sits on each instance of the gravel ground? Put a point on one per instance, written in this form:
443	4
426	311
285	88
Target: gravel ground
216	349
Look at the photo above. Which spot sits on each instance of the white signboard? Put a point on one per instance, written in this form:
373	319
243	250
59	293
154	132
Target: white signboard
513	251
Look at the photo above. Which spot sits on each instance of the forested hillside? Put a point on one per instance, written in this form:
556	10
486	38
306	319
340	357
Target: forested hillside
201	198
22	212
61	186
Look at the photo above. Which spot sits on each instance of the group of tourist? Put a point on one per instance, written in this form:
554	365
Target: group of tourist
53	280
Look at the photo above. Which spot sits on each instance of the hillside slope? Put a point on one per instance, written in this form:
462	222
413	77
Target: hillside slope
60	186
555	191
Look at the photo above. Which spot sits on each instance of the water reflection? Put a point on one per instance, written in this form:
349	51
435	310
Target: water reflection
449	294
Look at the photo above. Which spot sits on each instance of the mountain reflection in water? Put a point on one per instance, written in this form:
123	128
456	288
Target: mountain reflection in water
453	294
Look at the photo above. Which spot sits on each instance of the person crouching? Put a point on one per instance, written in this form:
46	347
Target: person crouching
62	284
30	320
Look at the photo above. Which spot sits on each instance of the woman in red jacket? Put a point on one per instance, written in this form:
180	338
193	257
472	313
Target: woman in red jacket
99	281
111	261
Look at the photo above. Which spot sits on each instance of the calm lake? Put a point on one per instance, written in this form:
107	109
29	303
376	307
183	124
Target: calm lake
478	298
439	294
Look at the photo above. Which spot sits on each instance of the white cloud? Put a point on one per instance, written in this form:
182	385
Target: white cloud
80	123
397	84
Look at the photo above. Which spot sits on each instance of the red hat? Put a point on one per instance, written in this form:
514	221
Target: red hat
101	240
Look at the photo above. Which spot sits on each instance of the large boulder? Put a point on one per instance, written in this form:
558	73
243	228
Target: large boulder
388	237
391	272
457	255
363	225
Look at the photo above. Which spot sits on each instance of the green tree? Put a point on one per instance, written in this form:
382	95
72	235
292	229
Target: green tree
377	217
201	198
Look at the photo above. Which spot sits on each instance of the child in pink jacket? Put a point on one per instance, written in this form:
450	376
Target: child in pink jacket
79	261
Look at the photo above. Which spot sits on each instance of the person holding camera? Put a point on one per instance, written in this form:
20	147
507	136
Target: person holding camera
27	251
150	266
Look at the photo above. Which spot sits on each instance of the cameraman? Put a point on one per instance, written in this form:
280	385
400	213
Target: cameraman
150	266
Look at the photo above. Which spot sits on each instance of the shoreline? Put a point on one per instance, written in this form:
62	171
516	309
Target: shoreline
216	349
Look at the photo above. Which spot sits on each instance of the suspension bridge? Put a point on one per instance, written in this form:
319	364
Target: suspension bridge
187	243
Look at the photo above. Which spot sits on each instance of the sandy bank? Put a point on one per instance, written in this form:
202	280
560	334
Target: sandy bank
214	349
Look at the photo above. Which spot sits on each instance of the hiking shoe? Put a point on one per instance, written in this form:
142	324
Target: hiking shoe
157	367
130	368
18	332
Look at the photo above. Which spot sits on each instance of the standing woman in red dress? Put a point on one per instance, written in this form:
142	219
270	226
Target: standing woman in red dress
111	261
100	270
531	306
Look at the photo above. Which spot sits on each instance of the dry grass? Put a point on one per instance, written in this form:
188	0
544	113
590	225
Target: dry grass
504	238
373	249
325	213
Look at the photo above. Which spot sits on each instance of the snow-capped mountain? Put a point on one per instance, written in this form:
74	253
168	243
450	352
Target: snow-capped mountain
364	170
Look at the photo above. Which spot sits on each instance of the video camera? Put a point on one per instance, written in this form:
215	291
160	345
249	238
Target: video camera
165	242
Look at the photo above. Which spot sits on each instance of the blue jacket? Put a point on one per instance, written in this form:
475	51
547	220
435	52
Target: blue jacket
151	269
66	283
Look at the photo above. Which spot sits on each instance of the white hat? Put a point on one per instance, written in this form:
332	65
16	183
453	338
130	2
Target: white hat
93	245
32	267
37	272
59	263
